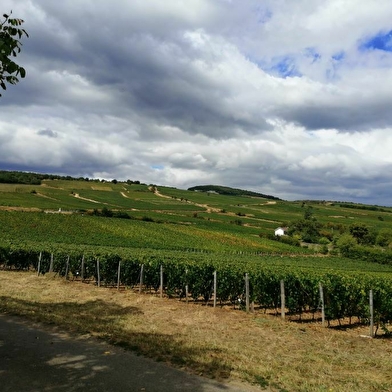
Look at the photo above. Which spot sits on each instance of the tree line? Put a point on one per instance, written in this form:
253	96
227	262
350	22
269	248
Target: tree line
224	190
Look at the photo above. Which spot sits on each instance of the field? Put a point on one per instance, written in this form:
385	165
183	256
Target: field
191	234
184	217
211	213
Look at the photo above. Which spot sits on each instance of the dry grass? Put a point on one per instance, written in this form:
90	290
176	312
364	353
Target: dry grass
218	343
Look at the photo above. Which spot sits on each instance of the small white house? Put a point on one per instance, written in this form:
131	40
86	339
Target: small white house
280	231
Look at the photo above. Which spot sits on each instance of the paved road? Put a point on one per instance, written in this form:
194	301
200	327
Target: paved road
36	358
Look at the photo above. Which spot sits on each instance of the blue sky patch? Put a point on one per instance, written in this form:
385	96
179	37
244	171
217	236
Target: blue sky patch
312	54
381	41
337	60
157	167
286	67
339	56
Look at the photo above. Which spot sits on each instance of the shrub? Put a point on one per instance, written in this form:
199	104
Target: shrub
106	212
324	241
346	243
289	240
121	215
384	237
324	250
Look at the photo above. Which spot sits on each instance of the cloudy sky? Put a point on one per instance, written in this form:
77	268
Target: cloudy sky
291	98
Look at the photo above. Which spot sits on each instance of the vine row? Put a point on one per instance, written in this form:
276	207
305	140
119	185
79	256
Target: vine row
346	292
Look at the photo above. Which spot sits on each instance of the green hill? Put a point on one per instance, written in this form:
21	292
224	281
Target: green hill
207	218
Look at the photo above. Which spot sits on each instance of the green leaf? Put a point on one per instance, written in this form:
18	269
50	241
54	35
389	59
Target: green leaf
10	46
12	67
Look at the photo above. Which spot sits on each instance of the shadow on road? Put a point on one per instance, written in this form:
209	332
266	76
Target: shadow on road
40	358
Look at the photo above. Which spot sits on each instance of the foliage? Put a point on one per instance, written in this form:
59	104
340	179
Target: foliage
370	254
384	237
14	177
108	213
18	177
362	207
10	46
308	213
307	228
362	233
224	190
285	239
324	249
324	241
346	243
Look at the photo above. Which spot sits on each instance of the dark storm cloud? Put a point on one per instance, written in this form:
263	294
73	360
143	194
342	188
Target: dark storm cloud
375	189
352	116
151	73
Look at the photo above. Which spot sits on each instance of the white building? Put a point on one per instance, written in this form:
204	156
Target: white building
280	231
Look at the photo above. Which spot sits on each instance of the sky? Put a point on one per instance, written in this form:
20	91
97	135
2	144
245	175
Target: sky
291	98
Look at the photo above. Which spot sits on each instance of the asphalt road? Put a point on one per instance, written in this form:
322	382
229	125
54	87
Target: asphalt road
37	358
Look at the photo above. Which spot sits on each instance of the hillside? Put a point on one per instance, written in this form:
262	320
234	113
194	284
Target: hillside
206	218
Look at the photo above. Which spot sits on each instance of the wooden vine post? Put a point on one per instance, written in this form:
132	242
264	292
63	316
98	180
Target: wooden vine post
282	300
51	263
215	288
98	275
161	281
186	286
39	263
82	271
247	292
322	304
141	278
371	314
67	268
118	275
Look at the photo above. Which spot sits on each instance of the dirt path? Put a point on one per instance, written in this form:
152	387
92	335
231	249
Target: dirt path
26	209
84	198
39	358
206	206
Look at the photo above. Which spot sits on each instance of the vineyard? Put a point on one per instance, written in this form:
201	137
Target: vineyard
179	241
190	275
